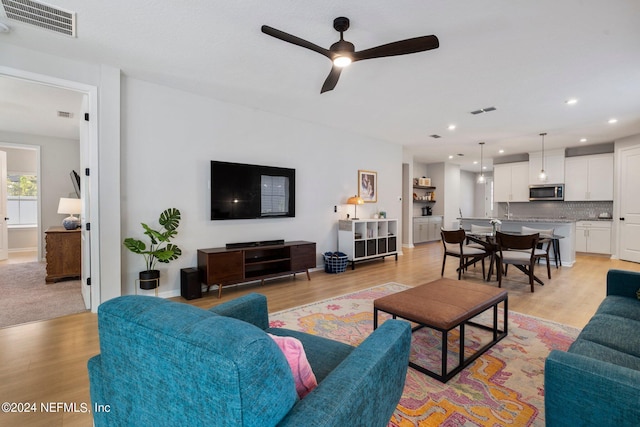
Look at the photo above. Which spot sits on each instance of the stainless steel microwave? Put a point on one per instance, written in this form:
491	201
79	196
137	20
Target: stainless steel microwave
546	192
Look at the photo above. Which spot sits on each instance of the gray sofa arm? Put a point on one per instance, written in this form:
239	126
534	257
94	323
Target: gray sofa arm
365	388
623	283
581	391
251	308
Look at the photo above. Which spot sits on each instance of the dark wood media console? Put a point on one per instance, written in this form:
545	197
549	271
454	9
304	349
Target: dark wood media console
222	266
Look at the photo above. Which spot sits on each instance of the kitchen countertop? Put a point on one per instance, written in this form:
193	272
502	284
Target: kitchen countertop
535	219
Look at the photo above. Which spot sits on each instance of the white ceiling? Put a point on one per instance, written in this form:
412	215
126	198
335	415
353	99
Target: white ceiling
526	58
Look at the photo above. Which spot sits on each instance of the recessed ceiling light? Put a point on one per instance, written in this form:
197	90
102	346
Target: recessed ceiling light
501	151
583	139
451	127
451	157
612	121
475	162
484	167
571	101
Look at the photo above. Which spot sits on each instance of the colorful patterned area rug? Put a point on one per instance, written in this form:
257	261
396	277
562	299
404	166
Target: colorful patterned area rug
503	387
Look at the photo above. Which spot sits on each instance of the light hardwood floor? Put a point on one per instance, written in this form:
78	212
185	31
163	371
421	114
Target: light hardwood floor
46	361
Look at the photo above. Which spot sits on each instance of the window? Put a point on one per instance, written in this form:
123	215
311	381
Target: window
274	195
22	199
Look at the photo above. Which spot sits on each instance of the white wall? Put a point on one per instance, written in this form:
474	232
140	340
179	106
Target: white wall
452	195
468	189
169	138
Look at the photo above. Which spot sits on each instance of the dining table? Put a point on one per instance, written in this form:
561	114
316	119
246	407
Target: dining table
488	241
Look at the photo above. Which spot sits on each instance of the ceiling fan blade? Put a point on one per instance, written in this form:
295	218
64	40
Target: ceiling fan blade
332	79
295	40
402	47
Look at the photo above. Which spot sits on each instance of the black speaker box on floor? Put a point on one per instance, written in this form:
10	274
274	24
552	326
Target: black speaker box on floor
190	287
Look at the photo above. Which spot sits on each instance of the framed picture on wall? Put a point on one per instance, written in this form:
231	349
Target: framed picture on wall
368	186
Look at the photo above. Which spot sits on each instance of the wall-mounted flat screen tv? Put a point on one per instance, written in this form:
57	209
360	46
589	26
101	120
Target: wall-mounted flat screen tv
242	191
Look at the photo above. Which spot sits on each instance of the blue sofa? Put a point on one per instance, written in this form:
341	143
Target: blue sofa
164	363
597	381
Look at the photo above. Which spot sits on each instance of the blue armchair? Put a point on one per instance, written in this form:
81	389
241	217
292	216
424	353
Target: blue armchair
167	363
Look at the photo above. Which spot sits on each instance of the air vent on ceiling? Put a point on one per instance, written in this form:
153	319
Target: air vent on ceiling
65	114
41	15
435	136
484	110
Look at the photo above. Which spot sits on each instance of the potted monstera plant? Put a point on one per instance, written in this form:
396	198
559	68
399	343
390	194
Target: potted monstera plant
159	250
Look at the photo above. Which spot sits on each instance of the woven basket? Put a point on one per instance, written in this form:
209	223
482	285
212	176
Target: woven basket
335	262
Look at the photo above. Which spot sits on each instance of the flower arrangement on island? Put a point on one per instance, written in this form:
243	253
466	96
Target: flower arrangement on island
495	222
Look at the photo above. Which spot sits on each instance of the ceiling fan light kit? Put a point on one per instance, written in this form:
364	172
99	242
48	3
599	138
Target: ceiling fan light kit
343	53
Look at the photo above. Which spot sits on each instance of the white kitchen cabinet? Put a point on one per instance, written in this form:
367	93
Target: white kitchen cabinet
589	178
426	228
593	237
511	182
553	167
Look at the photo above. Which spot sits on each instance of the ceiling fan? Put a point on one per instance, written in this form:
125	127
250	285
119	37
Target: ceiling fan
342	53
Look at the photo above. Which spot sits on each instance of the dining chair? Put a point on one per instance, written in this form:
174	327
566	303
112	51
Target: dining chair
517	250
478	229
454	245
481	228
544	244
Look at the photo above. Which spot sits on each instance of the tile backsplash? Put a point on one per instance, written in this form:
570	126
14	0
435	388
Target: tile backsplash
569	210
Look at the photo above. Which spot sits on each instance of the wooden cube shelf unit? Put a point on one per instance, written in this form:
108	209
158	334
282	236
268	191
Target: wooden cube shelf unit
368	239
222	266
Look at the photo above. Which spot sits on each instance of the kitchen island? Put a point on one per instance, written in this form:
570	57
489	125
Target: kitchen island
562	227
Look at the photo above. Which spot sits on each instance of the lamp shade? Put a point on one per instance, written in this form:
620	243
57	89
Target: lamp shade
69	206
355	200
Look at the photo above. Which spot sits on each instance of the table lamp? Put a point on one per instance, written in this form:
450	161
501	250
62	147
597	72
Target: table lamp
70	207
355	200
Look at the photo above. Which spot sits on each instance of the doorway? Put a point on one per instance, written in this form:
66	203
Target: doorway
84	135
20	204
629	218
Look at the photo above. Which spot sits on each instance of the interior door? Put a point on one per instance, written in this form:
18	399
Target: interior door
4	235
85	216
629	223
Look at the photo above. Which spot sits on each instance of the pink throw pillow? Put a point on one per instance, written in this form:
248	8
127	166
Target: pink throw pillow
300	367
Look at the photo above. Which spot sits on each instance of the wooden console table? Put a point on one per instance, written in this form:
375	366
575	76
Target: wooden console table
63	254
222	266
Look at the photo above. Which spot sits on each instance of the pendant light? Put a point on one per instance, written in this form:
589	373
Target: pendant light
543	176
481	178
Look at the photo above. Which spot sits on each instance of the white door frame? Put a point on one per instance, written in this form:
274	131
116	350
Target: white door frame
91	163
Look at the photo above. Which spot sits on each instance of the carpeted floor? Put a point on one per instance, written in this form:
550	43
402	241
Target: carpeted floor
25	297
504	387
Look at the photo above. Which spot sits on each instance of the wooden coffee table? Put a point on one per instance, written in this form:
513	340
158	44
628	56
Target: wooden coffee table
444	305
